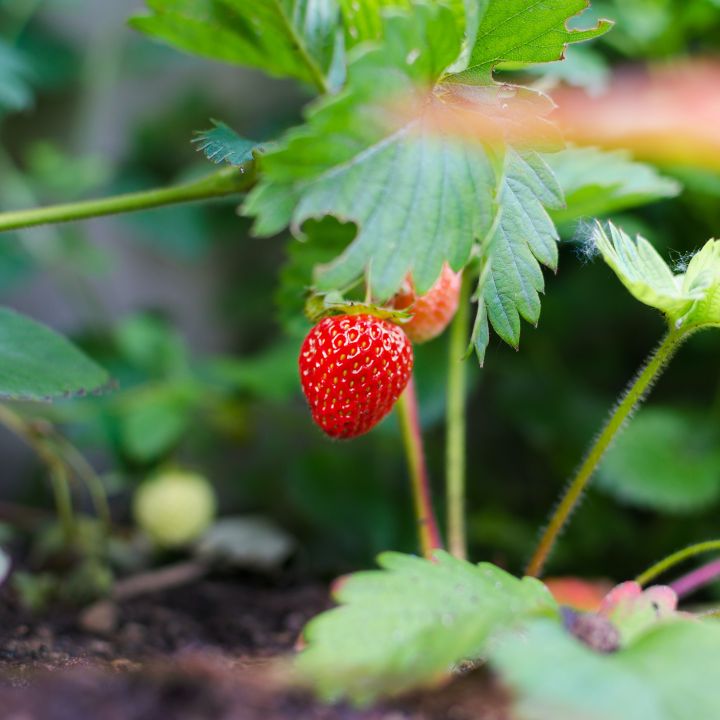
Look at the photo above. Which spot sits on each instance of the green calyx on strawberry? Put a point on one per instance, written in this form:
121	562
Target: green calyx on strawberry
353	368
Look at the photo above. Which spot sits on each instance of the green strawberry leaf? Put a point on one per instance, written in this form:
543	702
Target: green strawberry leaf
526	32
525	238
410	623
597	182
416	196
221	144
295	38
665	459
38	364
668	673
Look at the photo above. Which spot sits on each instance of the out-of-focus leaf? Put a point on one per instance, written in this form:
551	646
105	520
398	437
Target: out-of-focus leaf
270	375
665	459
408	624
597	183
582	67
154	418
15	80
246	542
668	673
38	364
296	38
152	345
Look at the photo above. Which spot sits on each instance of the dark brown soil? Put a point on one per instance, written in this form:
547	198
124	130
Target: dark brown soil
207	651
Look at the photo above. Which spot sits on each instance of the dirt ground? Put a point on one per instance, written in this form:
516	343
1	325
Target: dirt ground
205	651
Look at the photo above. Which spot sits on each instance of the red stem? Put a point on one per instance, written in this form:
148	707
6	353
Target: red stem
688	584
428	531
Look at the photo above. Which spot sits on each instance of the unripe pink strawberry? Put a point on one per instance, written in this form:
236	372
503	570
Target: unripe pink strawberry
433	311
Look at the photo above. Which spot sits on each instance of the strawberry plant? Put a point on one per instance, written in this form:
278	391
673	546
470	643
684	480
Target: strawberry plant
424	192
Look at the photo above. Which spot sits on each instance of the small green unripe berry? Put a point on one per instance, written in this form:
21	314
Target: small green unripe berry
174	508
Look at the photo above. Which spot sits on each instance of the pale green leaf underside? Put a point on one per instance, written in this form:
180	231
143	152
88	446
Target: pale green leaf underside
295	38
666	459
222	144
38	364
524	31
409	623
597	182
669	673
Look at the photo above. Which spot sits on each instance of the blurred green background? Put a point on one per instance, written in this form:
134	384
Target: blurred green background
180	304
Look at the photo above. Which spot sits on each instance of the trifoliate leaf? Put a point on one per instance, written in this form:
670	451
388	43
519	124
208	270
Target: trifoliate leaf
524	31
222	144
408	624
597	182
668	673
38	364
295	38
646	275
419	198
666	459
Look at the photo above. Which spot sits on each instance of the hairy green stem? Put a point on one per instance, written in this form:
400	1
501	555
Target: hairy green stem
455	421
63	500
633	396
428	532
227	181
675	559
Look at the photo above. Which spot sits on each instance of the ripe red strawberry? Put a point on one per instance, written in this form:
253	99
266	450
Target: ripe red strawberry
433	311
353	368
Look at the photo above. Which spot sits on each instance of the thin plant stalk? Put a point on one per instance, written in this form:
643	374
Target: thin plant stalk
697	579
55	465
227	181
675	559
634	395
428	532
87	474
455	462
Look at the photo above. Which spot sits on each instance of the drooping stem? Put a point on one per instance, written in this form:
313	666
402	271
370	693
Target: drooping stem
455	422
633	396
675	559
428	532
688	584
63	500
55	465
227	181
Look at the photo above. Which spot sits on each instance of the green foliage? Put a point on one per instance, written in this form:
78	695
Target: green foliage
408	624
666	459
420	197
691	298
38	364
597	182
525	237
15	79
295	38
222	144
524	32
668	673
